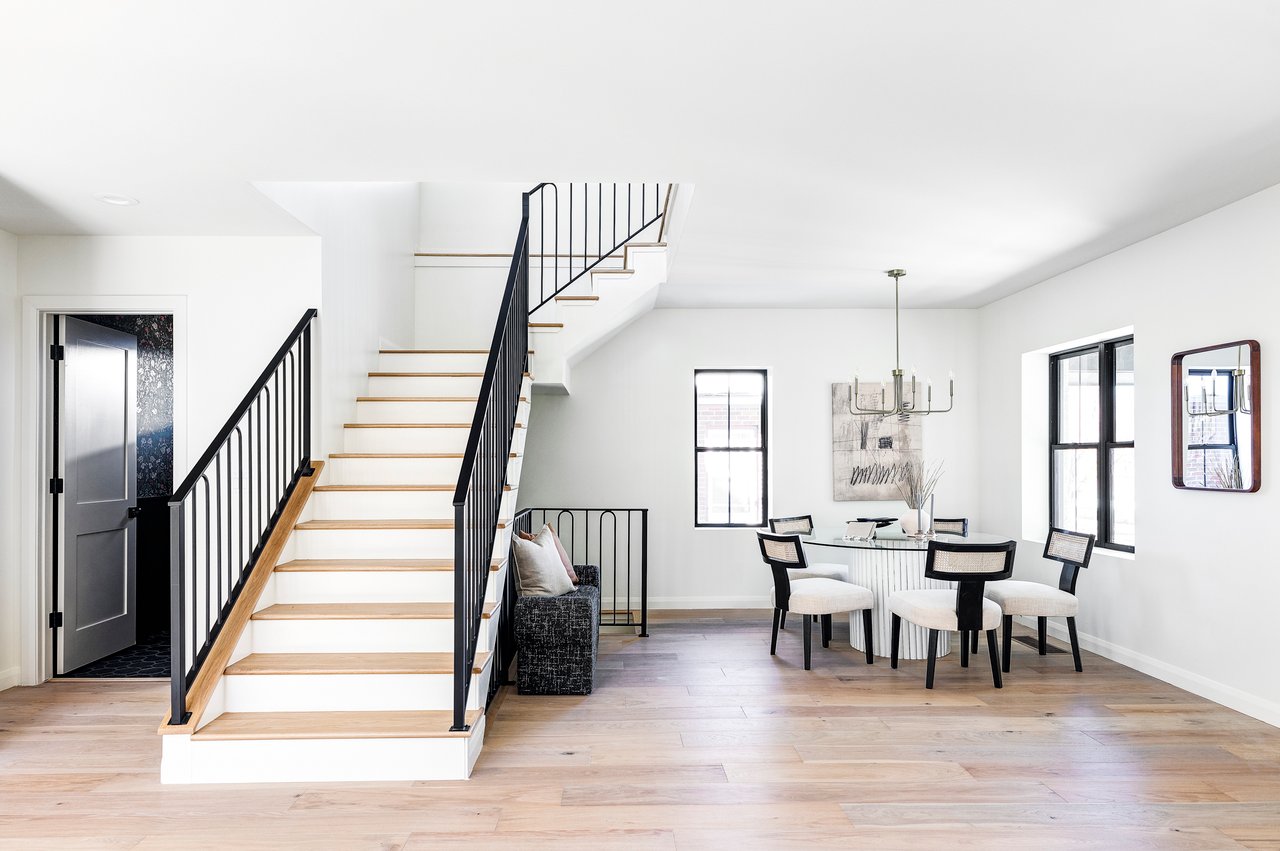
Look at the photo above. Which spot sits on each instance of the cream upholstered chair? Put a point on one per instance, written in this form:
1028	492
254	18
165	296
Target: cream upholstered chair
816	595
963	609
952	526
803	525
1033	599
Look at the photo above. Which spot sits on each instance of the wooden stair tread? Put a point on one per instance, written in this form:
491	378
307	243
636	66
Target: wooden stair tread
398	724
424	399
645	245
381	524
360	611
261	664
436	455
577	298
613	271
413	425
397	488
342	565
430	375
436	351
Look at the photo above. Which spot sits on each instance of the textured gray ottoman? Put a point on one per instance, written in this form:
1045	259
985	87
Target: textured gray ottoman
557	638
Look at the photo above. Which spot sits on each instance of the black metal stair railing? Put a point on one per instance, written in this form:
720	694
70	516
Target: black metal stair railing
592	223
226	509
482	479
618	216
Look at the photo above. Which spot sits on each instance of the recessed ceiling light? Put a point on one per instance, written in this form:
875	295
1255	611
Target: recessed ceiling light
116	200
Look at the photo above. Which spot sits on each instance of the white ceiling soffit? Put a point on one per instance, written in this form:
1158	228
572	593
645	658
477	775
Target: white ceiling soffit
983	146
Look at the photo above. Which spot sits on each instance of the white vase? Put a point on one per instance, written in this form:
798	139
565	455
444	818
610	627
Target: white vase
915	521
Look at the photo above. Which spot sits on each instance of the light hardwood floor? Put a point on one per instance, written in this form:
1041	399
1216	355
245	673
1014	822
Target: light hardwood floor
697	739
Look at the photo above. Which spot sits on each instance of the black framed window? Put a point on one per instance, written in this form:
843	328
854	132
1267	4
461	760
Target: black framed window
731	447
1091	460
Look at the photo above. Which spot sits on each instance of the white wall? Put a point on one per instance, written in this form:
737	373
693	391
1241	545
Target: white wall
9	325
624	438
244	294
1196	606
367	236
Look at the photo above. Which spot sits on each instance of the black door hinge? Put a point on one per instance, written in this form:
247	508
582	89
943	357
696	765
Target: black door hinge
57	352
55	620
55	486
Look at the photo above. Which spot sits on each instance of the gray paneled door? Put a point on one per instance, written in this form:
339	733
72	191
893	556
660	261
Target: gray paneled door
99	434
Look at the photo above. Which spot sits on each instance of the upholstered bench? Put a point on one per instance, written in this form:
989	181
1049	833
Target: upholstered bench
557	638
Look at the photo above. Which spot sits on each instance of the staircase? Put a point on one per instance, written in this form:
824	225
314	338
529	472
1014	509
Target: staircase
346	668
358	638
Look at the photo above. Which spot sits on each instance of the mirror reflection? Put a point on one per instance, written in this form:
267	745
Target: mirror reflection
1217	418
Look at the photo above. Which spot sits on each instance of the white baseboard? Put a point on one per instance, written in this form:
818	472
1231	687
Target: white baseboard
1229	696
709	603
10	677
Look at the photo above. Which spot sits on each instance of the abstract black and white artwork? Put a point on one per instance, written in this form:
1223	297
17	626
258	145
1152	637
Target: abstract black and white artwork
868	453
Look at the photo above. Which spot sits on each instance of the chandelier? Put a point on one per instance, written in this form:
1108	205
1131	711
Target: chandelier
1237	398
905	403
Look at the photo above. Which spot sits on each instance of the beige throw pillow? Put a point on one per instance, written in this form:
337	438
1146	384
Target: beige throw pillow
539	570
564	556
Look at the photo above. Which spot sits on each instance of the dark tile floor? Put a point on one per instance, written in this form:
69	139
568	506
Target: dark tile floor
147	658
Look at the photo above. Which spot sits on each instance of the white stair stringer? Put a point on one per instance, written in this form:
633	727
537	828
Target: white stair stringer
345	669
624	295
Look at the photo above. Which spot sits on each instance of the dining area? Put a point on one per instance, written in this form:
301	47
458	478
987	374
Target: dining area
919	595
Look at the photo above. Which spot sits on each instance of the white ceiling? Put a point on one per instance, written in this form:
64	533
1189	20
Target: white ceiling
981	145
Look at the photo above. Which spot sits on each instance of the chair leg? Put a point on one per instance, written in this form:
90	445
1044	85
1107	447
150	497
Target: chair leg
893	642
1008	641
995	664
826	630
808	640
974	647
1075	642
866	636
964	648
933	658
782	624
1043	624
778	614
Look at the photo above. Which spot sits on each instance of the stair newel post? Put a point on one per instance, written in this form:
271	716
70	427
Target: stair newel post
177	629
306	401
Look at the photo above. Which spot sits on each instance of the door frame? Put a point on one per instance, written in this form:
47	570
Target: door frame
35	430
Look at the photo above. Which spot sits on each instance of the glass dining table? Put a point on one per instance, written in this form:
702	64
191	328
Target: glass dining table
886	566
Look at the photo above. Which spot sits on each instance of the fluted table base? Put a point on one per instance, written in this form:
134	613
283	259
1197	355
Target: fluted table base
885	571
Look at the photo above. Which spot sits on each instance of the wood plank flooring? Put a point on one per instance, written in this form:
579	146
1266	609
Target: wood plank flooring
697	739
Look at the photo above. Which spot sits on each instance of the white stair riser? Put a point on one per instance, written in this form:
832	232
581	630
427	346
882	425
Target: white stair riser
414	440
387	505
359	636
402	471
398	385
374	586
381	543
423	412
311	760
439	362
348	692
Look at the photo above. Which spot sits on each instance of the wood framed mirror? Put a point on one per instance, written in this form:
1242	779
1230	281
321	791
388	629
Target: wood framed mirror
1217	417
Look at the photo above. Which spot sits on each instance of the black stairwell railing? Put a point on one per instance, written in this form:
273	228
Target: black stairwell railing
590	224
223	513
619	547
477	501
621	212
616	540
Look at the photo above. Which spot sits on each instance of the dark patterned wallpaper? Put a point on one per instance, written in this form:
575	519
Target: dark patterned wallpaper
155	396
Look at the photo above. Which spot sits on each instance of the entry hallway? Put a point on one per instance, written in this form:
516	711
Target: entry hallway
697	739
